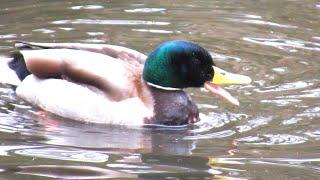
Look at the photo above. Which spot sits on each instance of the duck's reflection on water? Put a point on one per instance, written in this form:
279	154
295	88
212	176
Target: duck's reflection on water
117	139
113	151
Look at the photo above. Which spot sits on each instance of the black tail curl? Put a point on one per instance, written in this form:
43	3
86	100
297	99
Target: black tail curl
18	65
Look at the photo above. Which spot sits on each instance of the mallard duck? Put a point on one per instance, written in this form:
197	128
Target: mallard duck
111	84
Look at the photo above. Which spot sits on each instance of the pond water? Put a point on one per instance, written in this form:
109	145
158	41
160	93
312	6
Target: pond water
274	134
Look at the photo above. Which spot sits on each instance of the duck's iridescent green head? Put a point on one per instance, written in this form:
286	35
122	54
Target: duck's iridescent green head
178	64
181	64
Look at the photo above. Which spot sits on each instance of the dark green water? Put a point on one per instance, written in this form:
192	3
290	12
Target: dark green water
274	134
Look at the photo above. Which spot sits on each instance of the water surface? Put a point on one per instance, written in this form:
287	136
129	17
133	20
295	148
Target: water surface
274	134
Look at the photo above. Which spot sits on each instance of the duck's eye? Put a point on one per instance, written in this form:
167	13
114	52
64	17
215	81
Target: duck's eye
208	76
197	61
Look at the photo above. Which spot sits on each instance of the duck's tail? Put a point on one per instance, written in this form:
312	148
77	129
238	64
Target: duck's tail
13	69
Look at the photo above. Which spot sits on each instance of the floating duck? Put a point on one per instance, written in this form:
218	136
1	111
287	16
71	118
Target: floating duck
111	84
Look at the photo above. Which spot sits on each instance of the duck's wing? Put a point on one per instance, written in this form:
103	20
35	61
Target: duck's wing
115	78
114	51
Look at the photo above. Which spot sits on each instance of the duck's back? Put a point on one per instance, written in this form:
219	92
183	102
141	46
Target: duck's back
118	52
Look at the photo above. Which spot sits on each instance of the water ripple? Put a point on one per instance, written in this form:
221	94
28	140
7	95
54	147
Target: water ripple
314	134
280	70
5	47
214	135
44	31
221	57
273	139
253	16
87	7
145	10
8	36
93	41
111	22
5	150
215	120
281	102
62	154
254	123
290	121
311	112
95	33
261	22
72	172
284	44
310	93
158	31
66	28
128	166
287	86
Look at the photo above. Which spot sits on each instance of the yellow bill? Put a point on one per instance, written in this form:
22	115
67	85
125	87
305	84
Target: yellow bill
222	77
